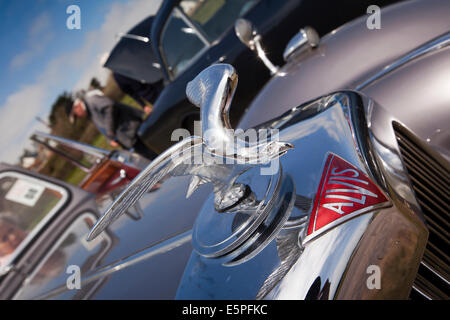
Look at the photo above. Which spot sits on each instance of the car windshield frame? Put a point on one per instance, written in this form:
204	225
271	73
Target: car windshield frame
198	31
225	31
58	144
199	34
42	223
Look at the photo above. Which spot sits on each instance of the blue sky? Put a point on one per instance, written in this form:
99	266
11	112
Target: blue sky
34	33
41	57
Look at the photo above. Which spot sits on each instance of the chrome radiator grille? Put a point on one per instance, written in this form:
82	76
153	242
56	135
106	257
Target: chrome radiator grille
429	176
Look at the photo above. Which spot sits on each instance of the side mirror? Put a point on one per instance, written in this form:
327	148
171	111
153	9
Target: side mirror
248	35
246	32
306	38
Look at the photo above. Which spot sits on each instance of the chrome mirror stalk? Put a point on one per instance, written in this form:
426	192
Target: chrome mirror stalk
249	36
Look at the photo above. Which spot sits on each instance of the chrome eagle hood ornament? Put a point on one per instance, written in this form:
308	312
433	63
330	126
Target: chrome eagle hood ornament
220	156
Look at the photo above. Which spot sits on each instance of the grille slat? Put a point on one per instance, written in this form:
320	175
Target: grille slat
435	216
426	287
437	254
427	161
433	204
426	174
437	231
428	194
429	176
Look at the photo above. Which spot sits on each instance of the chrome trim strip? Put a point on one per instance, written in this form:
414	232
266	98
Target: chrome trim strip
91	150
150	252
439	43
202	38
421	292
197	30
435	272
335	223
133	36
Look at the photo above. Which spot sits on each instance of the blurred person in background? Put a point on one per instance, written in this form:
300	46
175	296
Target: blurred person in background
117	121
142	92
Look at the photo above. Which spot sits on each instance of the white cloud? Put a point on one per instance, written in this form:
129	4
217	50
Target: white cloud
17	120
39	37
17	114
40	25
129	14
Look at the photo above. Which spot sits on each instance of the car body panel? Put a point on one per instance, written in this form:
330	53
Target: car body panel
353	53
420	80
78	201
135	59
132	251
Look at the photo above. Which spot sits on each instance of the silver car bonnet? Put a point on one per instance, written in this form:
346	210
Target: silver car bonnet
352	56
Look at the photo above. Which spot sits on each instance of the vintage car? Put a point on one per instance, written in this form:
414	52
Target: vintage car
38	212
188	36
133	55
106	172
335	186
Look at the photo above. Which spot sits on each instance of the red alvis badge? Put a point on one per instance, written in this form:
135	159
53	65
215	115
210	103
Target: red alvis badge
344	192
